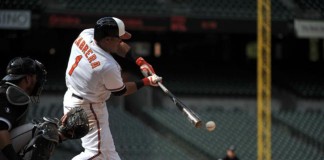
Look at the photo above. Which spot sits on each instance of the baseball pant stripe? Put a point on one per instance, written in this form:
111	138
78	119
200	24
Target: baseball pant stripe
98	126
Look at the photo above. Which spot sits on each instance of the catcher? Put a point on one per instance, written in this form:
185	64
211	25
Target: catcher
23	84
37	140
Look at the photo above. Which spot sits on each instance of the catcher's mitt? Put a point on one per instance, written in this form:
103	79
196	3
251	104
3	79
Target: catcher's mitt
74	124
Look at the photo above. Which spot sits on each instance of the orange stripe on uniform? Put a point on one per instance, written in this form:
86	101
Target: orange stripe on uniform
98	128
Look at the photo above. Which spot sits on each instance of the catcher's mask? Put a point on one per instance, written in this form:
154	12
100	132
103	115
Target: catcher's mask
19	68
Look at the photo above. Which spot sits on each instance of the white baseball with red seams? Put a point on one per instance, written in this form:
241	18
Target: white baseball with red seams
88	87
210	125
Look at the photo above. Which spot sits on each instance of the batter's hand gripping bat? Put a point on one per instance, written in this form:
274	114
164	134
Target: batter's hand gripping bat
191	115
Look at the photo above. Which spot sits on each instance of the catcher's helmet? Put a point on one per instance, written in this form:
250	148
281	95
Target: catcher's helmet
20	67
110	27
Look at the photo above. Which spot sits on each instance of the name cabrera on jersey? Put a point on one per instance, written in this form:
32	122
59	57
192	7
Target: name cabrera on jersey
13	106
92	73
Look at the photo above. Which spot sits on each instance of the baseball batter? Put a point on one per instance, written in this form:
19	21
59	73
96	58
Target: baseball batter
93	74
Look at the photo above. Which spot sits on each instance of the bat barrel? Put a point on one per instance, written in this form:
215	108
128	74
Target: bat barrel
198	124
193	118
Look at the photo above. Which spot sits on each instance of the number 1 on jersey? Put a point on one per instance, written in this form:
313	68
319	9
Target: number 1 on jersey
77	60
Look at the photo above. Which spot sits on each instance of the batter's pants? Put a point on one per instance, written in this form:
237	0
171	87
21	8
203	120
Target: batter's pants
98	144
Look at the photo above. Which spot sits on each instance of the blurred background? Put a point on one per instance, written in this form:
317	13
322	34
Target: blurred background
206	53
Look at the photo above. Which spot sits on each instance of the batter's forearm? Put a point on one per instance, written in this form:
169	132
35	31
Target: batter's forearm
125	51
131	88
121	54
131	55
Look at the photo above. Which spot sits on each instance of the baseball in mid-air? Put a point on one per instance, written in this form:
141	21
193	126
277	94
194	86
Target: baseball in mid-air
210	126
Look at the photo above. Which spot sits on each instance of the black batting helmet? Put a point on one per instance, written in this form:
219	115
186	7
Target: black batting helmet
110	27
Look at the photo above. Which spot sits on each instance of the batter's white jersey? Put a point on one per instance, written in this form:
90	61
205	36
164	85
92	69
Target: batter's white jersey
92	73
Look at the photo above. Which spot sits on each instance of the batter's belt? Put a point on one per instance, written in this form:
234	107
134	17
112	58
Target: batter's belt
76	96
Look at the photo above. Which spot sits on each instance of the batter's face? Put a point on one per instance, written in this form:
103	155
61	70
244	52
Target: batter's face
111	44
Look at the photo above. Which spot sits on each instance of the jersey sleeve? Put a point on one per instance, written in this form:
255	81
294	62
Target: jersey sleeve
112	79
